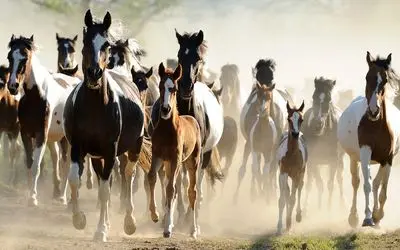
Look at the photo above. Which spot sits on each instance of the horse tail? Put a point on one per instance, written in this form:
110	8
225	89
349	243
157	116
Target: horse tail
214	169
145	155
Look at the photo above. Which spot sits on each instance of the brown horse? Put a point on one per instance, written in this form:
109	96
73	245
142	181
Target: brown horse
176	141
369	132
292	159
66	63
9	123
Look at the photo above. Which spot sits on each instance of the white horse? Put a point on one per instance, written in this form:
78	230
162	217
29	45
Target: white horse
40	111
369	132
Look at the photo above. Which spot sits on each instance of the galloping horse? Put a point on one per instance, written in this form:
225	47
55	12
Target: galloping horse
369	132
231	89
292	158
196	99
265	105
9	124
103	118
320	130
40	112
176	144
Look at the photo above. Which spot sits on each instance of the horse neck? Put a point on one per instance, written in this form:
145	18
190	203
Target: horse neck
173	120
293	144
36	74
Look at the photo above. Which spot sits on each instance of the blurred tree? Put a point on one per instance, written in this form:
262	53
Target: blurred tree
135	13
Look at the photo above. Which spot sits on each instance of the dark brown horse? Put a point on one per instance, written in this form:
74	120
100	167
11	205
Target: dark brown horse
9	124
292	159
176	144
104	118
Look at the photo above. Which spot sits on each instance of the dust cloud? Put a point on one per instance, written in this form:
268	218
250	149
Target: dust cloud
306	39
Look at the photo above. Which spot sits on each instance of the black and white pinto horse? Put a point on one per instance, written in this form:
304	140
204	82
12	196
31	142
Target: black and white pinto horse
250	124
104	118
196	99
320	130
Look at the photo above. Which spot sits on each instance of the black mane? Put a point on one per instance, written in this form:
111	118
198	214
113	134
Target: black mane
269	63
22	41
382	62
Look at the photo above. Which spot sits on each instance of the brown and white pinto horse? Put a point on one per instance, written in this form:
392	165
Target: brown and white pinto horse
292	159
176	144
369	131
104	118
9	124
40	112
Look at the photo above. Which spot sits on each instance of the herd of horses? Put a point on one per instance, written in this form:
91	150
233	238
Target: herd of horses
177	122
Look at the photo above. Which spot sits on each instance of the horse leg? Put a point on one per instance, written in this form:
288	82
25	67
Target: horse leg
255	188
339	177
13	151
291	203
266	187
27	141
242	170
355	181
365	158
74	176
300	188
55	158
320	184
104	192
156	164
122	195
172	172
185	183
116	178
200	177
377	215
192	167
89	174
332	173
180	204
65	162
162	177
272	178
284	189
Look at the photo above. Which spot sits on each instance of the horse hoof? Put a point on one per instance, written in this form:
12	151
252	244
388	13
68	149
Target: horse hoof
32	202
298	217
89	184
61	200
353	220
167	234
193	234
377	216
100	237
129	225
155	217
368	223
79	220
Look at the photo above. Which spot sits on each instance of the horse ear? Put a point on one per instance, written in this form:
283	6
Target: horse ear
288	106
88	18
211	85
31	38
369	59
333	82
178	72
199	38
107	21
149	73
126	43
389	59
178	36
301	107
12	37
75	39
57	37
161	70
258	85
272	87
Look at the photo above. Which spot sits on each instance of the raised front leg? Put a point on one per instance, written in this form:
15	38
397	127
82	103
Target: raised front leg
242	170
74	176
379	213
365	157
355	181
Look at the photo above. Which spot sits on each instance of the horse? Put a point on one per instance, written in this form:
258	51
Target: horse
369	132
39	112
176	144
230	82
196	99
292	159
104	118
264	106
66	63
9	124
320	129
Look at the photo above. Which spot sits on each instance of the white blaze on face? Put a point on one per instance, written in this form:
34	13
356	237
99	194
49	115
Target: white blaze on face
186	51
17	58
373	102
67	58
98	42
168	84
295	122
116	59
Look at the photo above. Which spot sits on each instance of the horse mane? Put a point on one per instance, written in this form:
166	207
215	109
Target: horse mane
393	77
230	67
270	63
23	41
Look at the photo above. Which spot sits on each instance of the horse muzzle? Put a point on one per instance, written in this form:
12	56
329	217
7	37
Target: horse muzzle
373	116
13	88
94	73
295	134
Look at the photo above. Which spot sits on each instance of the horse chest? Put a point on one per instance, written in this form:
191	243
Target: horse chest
292	163
379	137
165	142
33	113
263	136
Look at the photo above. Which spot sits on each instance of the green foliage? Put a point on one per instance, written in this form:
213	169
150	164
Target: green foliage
60	6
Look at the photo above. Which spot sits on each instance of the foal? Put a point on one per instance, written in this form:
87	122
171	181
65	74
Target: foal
176	140
292	159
